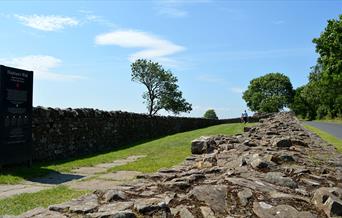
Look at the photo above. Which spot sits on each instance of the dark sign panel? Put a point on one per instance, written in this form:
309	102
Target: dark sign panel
15	115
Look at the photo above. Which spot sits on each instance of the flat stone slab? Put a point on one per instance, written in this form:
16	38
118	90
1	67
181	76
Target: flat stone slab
135	157
121	161
41	212
72	179
102	168
121	175
114	164
98	184
89	170
10	190
115	180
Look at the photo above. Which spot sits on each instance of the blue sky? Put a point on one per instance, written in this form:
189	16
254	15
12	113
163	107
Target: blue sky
81	51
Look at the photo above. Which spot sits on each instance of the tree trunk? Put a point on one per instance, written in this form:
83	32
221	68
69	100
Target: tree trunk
151	105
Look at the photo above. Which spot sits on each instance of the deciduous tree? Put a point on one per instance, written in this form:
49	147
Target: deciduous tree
329	48
210	114
162	89
269	93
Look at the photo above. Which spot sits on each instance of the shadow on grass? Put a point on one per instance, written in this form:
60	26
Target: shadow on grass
13	174
56	178
39	171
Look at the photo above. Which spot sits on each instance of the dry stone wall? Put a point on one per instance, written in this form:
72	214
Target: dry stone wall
275	169
59	134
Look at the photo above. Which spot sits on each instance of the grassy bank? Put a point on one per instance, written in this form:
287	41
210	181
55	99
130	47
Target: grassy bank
21	203
160	153
327	137
171	150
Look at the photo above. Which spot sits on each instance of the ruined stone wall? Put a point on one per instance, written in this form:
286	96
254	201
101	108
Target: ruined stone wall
275	169
59	134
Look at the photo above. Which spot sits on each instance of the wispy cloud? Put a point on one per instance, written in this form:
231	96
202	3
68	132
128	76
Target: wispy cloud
237	90
210	78
5	15
278	22
259	54
47	22
175	8
272	53
153	47
90	16
85	11
42	66
235	14
172	12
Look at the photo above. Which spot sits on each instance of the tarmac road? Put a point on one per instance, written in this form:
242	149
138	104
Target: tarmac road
332	128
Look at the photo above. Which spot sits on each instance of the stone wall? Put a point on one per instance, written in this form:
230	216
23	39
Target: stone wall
275	169
59	134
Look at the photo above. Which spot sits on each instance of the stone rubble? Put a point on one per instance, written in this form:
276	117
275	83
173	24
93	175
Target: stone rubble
274	169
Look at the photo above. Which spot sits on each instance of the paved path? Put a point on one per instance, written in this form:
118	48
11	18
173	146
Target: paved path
85	178
332	128
10	190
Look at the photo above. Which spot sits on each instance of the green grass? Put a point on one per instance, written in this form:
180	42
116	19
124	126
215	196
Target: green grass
17	174
160	153
19	204
327	137
172	150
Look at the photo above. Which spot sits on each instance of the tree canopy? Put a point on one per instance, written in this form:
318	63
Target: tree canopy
329	78
269	93
162	89
210	114
322	96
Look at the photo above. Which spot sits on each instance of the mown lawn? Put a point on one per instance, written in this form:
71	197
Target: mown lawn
172	150
19	204
164	152
160	153
327	137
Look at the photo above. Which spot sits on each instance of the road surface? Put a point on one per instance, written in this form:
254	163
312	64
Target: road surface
332	128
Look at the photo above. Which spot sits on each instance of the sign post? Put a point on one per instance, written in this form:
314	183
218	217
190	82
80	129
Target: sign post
15	115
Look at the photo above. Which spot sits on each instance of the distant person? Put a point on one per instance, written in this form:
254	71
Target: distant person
244	117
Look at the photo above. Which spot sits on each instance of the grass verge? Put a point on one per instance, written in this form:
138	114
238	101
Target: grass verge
327	137
19	204
164	152
171	150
